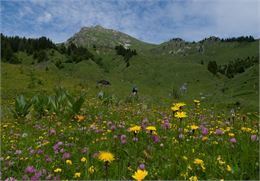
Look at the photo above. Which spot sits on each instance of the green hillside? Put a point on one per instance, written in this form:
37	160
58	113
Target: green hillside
159	71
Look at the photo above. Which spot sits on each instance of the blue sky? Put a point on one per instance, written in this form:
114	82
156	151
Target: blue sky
153	21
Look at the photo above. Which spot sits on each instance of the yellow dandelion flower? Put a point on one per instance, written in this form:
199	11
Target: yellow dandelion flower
194	127
175	108
186	130
57	170
77	175
185	175
193	178
231	134
68	162
151	128
215	142
184	158
180	104
221	162
91	169
79	118
135	129
129	168
228	168
196	101
180	115
204	138
200	163
45	143
145	154
140	174
106	156
83	159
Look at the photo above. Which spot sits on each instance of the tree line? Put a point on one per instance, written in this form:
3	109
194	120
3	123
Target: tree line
239	39
233	67
37	47
11	45
127	53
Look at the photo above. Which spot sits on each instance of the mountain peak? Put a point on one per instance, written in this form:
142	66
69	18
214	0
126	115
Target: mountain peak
99	27
103	38
96	27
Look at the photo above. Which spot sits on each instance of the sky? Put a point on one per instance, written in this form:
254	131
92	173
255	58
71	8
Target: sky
153	21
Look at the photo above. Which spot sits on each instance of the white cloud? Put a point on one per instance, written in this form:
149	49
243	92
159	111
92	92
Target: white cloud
26	10
45	18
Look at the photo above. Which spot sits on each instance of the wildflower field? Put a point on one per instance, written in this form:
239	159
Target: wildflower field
70	137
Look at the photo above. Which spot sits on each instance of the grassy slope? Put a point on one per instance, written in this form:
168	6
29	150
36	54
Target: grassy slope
155	75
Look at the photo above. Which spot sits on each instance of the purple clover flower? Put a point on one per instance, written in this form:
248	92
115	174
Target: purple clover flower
233	140
60	143
155	138
52	132
115	137
205	131
62	150
30	169
144	123
166	124
95	155
219	132
49	177
56	178
40	151
113	127
181	136
47	159
135	139
25	177
32	151
84	150
121	124
34	178
123	139
10	179
18	152
142	166
253	137
66	156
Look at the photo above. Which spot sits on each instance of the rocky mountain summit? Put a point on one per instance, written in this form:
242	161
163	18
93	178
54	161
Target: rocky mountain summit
102	38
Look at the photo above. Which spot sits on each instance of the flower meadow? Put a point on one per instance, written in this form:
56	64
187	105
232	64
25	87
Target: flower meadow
84	139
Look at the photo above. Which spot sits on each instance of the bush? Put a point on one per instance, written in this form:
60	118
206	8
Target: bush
213	67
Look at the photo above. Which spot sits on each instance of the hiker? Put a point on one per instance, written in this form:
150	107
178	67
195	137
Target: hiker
134	91
101	95
233	114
